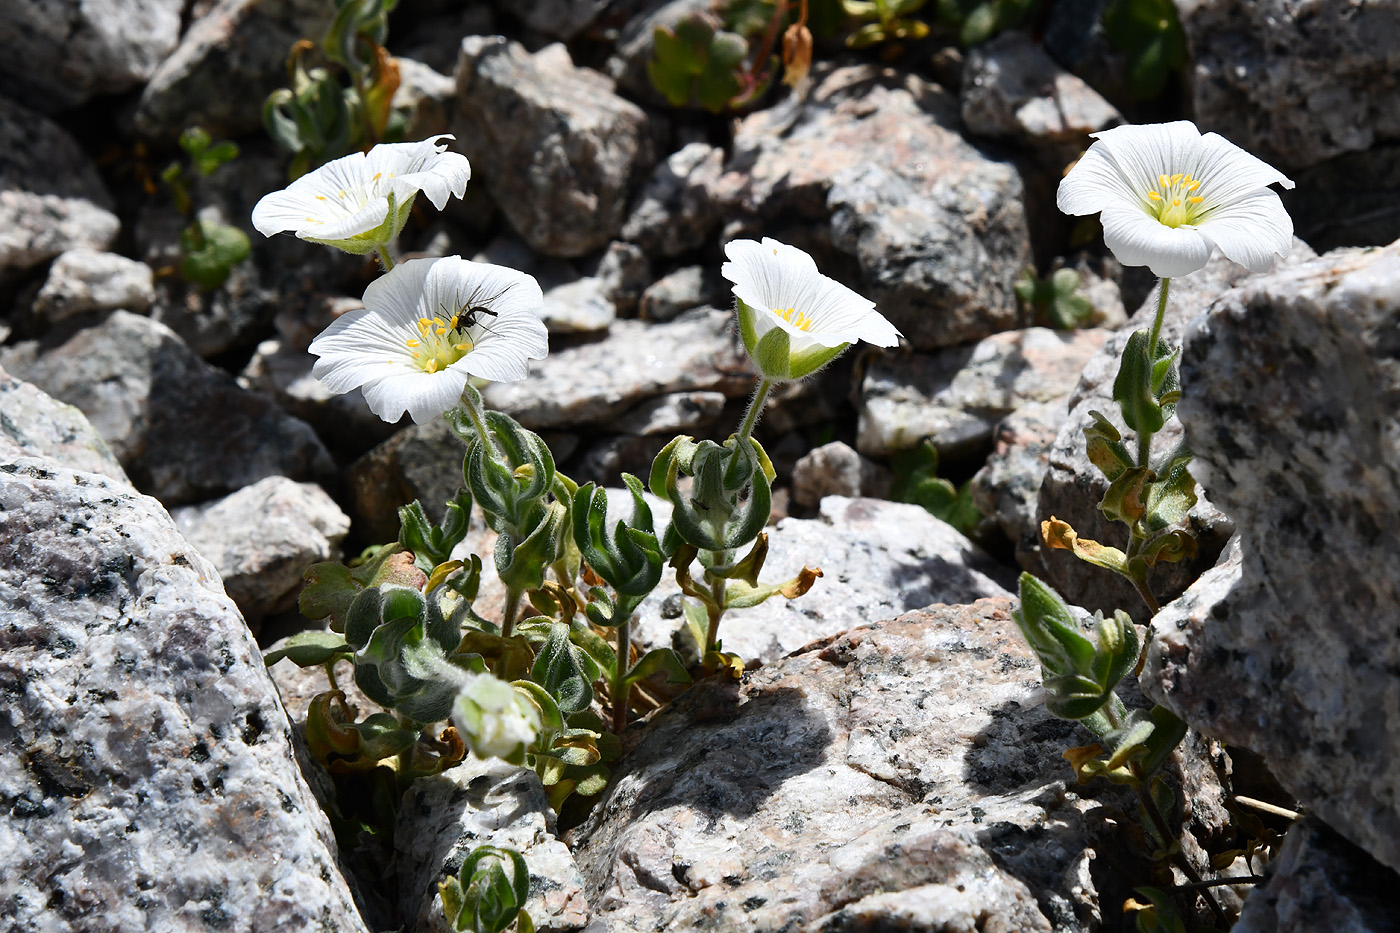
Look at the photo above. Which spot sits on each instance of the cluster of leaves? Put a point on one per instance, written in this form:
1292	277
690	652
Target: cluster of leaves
1149	34
488	892
979	20
1055	299
916	480
332	110
208	250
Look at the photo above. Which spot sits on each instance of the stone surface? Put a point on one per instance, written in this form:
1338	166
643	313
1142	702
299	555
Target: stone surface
556	148
240	44
956	397
558	19
903	775
675	413
1322	882
685	288
837	469
676	210
1308	475
148	774
427	96
58	55
83	280
444	817
1072	487
935	226
42	426
1012	88
1295	84
637	361
262	538
183	430
879	559
1007	488
51	198
1352	200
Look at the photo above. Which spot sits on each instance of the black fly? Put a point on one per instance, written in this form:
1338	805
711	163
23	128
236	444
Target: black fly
473	309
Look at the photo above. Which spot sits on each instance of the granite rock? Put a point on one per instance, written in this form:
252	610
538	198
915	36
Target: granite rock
1007	488
556	148
42	426
1322	882
879	559
51	198
676	210
149	775
956	396
1308	475
682	289
444	817
262	538
1011	88
903	775
934	226
837	469
83	280
61	54
427	96
240	44
183	430
1295	84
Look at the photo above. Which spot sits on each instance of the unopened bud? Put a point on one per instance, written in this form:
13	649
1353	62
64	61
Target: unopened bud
797	54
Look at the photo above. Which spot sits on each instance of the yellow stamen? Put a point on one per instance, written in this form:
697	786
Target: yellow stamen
376	176
1154	195
1177	177
1196	200
463	347
342	193
1193	186
794	317
432	366
320	197
413	344
1164	181
1176	202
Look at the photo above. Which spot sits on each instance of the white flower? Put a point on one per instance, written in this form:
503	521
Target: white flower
426	326
793	319
495	719
1169	196
360	202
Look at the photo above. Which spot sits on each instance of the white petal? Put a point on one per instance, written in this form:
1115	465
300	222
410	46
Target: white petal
1144	152
1253	231
457	283
397	296
423	395
770	274
281	211
362	221
1097	183
1139	240
1228	173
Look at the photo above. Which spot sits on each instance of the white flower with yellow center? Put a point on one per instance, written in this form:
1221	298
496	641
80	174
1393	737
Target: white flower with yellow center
360	202
427	326
793	319
1169	196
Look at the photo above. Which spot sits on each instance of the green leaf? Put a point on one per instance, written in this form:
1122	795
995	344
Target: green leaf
211	250
559	669
494	884
310	649
656	661
1132	389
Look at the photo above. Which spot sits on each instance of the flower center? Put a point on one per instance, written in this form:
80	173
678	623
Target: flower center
1176	203
795	318
440	342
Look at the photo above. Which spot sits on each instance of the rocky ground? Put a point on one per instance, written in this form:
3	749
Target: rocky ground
168	467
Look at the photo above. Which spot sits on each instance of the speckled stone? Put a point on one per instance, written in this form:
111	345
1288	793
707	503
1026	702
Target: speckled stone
1289	649
148	776
42	426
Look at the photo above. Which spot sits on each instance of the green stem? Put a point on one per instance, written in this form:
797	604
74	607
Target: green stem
1145	438
755	408
1178	858
478	419
512	609
621	693
385	258
715	610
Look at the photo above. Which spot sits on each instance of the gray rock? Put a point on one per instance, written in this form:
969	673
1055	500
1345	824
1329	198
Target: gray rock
1352	200
637	361
51	198
675	413
148	774
1012	88
59	55
1294	85
427	96
553	144
262	538
901	776
423	462
184	431
676	210
936	227
625	272
283	374
578	307
1322	882
1308	475
1073	487
685	288
41	426
836	469
239	44
558	19
1007	488
879	559
82	280
956	397
444	817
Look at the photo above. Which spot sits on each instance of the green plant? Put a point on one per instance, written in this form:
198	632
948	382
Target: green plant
916	480
1055	299
979	20
1149	34
888	21
208	250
